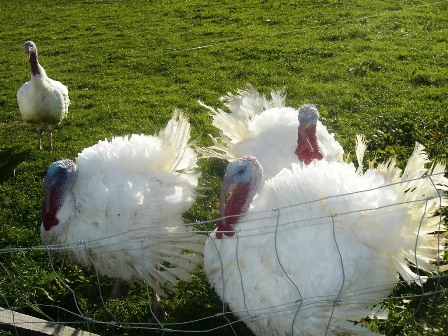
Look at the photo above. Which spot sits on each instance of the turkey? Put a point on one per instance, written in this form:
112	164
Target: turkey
317	248
268	130
119	207
42	101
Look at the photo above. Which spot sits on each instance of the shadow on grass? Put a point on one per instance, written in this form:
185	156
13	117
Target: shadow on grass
10	158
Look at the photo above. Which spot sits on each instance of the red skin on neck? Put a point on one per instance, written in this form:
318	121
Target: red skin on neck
307	147
232	211
236	206
34	62
49	208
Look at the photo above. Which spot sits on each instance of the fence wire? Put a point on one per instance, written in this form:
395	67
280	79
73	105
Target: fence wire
17	298
14	296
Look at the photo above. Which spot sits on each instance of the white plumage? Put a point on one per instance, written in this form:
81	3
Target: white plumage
266	129
322	244
42	100
119	207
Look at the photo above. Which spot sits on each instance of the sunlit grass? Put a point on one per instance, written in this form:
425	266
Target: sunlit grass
376	67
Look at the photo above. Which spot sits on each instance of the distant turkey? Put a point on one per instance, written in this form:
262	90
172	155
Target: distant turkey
268	130
42	101
316	248
119	207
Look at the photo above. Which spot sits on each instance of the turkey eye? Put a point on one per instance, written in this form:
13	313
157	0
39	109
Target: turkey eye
60	172
240	171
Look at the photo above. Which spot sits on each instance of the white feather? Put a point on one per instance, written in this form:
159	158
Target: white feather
323	245
124	213
266	129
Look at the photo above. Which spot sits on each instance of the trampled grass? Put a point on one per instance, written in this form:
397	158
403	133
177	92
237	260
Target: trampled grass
378	68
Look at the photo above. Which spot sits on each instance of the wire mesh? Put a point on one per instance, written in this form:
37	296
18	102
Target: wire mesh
77	299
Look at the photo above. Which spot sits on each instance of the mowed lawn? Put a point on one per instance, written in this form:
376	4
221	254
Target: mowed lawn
377	68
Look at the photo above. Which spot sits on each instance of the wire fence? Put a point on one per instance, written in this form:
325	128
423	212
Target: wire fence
271	228
44	300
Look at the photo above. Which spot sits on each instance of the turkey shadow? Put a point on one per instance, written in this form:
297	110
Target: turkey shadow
9	159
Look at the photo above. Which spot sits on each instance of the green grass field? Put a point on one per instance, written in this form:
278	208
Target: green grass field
373	67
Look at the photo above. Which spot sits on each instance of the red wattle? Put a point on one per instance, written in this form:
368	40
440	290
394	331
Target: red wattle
232	211
49	220
49	209
307	147
34	62
224	228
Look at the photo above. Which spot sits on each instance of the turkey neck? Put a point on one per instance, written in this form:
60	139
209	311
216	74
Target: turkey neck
237	204
34	63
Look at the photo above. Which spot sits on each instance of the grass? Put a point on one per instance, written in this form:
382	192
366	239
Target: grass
376	68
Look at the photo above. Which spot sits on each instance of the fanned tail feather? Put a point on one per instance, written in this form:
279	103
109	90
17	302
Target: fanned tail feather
233	126
415	166
177	154
246	103
249	102
178	256
423	192
361	147
215	151
278	98
388	169
154	284
422	189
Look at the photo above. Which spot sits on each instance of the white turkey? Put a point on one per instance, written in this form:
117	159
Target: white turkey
42	101
317	248
119	207
268	130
